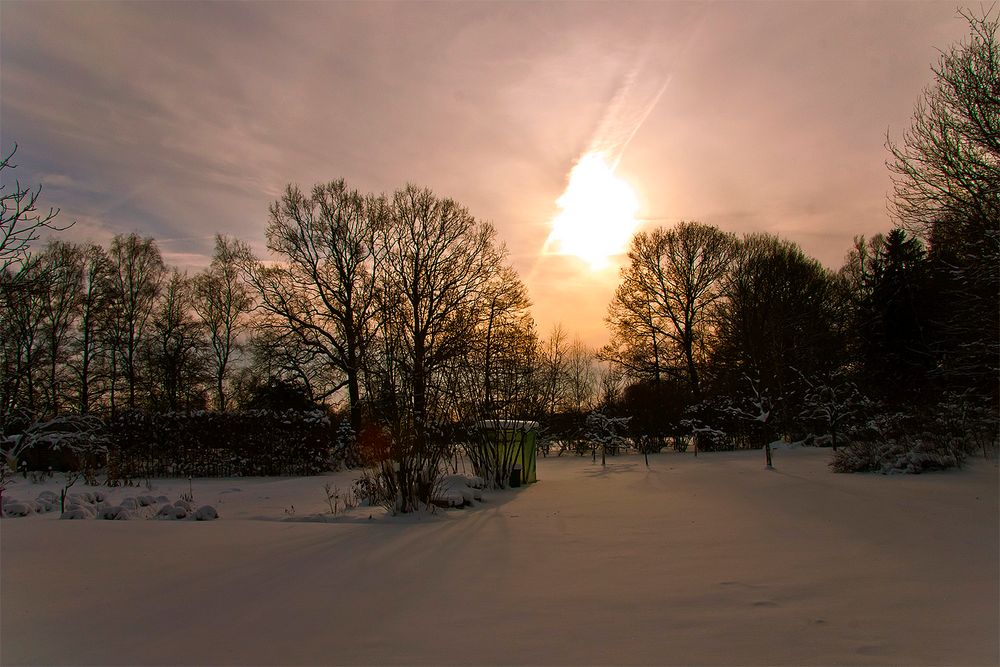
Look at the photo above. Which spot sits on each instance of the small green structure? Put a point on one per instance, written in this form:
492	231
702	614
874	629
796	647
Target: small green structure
508	451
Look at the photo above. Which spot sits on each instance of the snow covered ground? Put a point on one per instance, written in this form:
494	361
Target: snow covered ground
707	560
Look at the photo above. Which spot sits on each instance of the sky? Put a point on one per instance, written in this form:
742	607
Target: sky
182	120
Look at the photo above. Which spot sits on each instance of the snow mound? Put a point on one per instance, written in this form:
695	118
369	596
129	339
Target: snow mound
115	513
781	445
171	512
79	511
458	491
44	506
16	509
206	513
48	497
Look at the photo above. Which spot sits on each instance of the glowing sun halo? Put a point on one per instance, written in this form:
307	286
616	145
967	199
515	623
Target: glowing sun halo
597	216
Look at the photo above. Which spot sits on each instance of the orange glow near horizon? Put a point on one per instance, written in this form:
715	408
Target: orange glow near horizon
597	213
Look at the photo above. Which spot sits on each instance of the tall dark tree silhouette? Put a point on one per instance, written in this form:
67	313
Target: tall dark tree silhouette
88	350
323	294
22	295
946	176
439	265
897	317
658	317
777	321
63	264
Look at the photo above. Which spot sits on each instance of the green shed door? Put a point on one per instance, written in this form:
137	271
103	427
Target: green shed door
528	442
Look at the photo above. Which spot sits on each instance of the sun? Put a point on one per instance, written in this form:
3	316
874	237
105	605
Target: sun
597	213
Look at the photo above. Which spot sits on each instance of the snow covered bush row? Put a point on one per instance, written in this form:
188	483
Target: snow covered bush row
897	443
95	505
903	455
47	501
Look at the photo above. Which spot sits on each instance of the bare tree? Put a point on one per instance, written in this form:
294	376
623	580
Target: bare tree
137	273
324	293
946	189
832	404
21	221
88	349
63	265
503	345
611	381
439	265
658	315
222	300
174	348
581	377
553	371
946	171
22	295
495	378
278	354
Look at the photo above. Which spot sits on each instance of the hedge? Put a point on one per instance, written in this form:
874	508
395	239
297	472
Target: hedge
213	444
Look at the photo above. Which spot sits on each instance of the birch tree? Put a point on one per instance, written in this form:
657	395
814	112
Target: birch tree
222	300
136	277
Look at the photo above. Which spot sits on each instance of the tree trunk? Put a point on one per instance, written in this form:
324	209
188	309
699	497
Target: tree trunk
220	390
53	371
692	373
85	372
354	398
114	381
419	397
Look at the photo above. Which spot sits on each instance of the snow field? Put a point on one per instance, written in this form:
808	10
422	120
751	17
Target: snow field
694	561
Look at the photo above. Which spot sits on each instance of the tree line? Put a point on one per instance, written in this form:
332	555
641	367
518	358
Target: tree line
750	335
403	308
100	329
